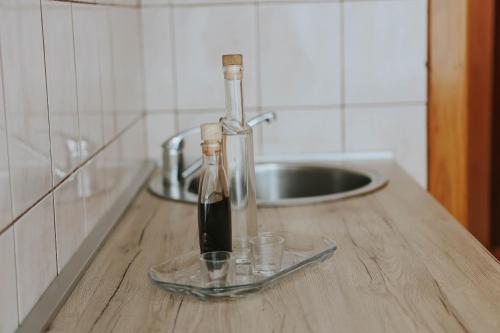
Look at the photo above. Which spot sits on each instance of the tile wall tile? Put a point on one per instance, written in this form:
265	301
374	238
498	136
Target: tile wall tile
195	119
127	64
400	129
35	253
129	3
304	131
300	50
61	87
8	293
155	3
93	88
385	51
94	180
201	2
69	217
25	101
202	36
5	194
85	23
158	54
107	75
160	126
133	146
124	158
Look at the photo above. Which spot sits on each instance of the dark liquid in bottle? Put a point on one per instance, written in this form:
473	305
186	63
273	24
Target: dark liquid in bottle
214	226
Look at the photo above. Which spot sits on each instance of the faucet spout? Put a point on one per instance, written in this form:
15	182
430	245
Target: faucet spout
173	160
265	117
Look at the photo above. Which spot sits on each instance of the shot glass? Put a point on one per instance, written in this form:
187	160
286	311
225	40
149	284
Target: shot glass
267	253
216	269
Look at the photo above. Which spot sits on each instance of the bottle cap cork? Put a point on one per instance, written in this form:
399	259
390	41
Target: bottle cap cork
232	59
211	132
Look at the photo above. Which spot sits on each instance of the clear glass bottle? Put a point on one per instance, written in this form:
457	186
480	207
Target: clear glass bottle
214	210
237	145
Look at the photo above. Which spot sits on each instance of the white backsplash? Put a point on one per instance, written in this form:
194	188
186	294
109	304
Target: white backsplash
69	73
343	76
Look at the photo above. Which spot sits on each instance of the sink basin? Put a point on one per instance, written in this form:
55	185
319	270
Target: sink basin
284	184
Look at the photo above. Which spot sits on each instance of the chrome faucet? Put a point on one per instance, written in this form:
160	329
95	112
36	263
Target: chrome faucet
173	157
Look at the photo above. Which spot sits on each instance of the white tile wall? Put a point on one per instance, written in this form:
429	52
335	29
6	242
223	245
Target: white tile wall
401	129
127	64
35	253
69	217
61	87
5	199
160	126
158	58
300	49
385	51
94	182
123	158
304	131
86	40
8	292
106	70
25	101
133	149
66	69
202	35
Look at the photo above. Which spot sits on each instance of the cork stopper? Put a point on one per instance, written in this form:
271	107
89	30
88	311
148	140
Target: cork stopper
232	59
233	66
211	137
211	132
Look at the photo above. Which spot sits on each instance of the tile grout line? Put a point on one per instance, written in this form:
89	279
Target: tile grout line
77	100
212	4
73	172
100	67
143	62
77	107
245	3
76	82
9	166
10	185
342	79
286	108
173	52
144	83
260	139
50	136
103	4
109	29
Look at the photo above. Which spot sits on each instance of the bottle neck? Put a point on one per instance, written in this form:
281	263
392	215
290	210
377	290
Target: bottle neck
234	94
211	152
211	159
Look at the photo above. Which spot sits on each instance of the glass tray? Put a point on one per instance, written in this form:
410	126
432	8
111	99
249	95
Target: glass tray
181	274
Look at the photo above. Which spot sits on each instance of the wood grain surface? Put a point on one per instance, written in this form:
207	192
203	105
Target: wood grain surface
403	264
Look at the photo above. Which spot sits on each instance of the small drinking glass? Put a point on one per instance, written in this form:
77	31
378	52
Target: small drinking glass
216	268
267	253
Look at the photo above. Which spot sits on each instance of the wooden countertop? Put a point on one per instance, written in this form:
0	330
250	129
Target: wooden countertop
403	264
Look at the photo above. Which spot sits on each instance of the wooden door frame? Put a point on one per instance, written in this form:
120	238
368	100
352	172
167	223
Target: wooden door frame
461	49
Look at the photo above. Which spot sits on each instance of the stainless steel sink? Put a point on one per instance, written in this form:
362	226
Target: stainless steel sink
284	184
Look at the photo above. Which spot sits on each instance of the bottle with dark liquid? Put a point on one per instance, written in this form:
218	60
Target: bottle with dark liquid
214	209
